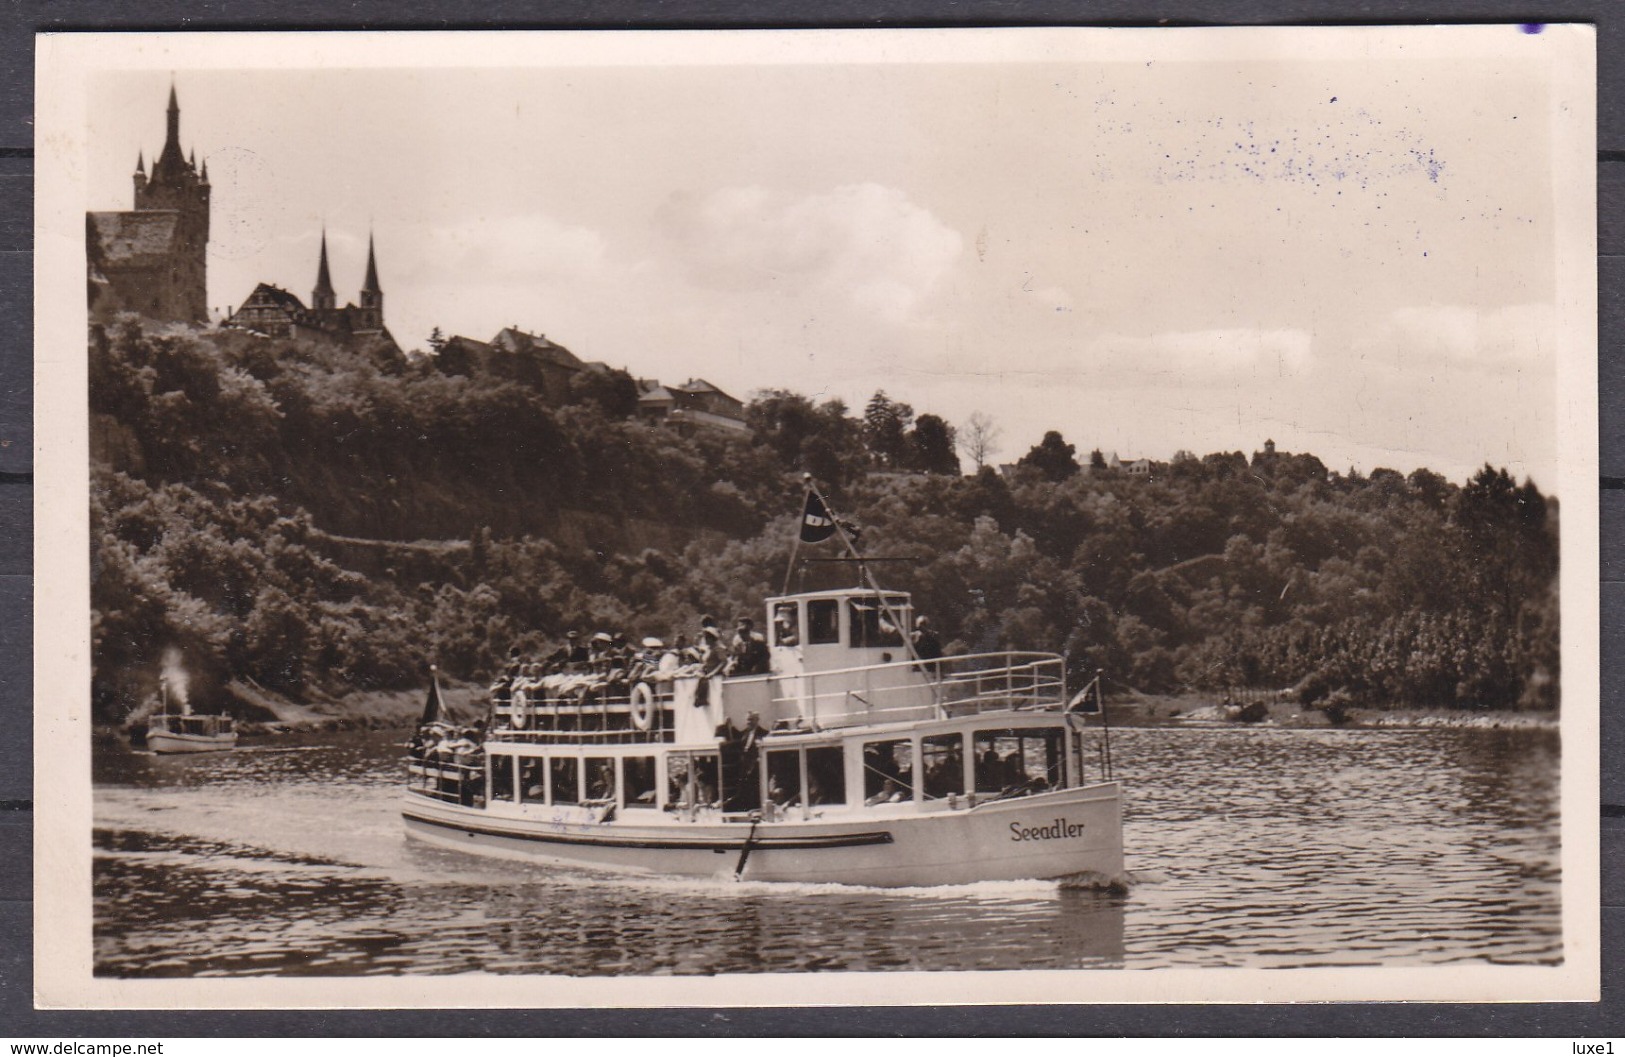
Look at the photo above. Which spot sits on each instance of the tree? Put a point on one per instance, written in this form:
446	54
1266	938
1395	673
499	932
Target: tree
885	430
1053	457
979	438
931	446
612	391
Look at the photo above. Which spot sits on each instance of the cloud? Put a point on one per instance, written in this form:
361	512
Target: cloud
1425	336
864	246
1216	353
513	251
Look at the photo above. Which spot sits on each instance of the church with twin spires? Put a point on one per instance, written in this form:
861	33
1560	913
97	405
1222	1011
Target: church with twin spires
278	313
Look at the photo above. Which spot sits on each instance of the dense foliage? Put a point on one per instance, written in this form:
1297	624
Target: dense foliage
317	520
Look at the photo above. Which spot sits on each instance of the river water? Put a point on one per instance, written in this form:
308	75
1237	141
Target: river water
1251	847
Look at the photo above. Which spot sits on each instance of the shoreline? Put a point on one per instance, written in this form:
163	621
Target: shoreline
266	715
1195	710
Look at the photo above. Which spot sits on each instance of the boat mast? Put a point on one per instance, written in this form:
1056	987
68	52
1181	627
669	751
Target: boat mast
865	577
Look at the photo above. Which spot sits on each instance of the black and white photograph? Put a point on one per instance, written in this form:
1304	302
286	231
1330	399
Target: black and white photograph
1042	515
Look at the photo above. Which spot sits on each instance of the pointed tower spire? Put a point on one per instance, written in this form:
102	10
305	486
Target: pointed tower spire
141	163
371	285
171	162
372	295
322	296
205	175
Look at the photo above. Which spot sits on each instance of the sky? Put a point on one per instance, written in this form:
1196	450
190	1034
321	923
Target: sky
1354	259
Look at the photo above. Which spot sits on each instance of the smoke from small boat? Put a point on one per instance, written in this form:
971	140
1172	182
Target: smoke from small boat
175	678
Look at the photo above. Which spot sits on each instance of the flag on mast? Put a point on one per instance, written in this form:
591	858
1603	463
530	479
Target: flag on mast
816	523
433	706
1083	702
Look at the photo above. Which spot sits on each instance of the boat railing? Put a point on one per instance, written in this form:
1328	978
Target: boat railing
631	736
453	780
912	690
582	709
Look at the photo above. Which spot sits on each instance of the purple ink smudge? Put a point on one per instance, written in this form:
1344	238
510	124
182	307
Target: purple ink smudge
1532	27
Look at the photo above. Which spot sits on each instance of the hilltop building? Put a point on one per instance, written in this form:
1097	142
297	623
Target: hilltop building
695	403
151	260
514	354
278	313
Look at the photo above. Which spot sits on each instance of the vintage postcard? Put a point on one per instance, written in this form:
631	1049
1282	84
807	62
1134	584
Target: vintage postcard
974	516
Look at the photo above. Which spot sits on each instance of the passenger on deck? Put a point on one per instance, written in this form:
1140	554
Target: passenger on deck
573	652
784	626
748	652
927	643
646	662
598	651
713	658
686	652
750	737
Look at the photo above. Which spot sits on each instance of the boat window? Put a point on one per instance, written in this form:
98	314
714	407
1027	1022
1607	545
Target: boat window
533	779
784	625
601	778
502	777
566	770
677	772
872	625
826	775
784	777
823	621
691	779
1008	760
888	772
943	757
638	781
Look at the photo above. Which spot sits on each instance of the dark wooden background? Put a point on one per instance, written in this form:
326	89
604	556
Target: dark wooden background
21	19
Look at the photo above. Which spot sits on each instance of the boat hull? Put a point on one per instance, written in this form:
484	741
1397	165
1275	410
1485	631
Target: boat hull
1046	836
166	742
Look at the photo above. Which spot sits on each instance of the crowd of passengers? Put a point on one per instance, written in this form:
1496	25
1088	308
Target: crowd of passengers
608	665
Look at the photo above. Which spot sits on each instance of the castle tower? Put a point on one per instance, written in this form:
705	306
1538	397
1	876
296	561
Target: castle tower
322	298
372	295
176	185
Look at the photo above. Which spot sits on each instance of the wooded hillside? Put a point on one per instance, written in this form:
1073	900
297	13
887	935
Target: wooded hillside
319	520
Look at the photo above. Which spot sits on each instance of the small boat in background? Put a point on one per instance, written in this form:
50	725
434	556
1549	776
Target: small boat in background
187	731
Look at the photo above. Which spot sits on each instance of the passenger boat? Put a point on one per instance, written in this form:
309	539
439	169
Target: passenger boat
188	732
851	760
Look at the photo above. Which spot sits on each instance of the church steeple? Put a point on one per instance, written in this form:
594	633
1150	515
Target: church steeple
371	285
372	295
322	297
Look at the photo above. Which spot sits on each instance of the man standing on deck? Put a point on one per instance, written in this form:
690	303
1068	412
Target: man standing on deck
749	654
927	643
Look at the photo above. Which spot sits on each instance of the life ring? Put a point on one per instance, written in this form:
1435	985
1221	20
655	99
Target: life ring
521	709
643	706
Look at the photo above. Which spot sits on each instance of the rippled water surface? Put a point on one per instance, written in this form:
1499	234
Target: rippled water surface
1249	847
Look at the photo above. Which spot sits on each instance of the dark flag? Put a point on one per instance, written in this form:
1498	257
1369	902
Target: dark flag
433	706
816	524
1088	699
